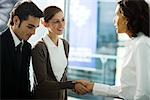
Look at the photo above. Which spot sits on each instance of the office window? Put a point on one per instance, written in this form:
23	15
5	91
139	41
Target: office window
93	42
5	8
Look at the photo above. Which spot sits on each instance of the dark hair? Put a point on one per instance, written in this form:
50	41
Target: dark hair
137	14
23	10
50	11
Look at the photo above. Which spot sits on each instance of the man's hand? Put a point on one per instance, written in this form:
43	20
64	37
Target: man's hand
83	86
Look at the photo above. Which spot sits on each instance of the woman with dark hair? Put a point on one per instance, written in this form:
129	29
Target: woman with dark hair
132	18
50	59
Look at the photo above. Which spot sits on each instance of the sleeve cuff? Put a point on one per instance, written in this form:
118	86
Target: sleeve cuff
106	90
67	85
100	89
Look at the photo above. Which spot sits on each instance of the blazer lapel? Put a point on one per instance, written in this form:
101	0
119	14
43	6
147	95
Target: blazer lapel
49	67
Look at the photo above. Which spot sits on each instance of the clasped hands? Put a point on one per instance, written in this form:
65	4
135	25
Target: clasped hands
83	87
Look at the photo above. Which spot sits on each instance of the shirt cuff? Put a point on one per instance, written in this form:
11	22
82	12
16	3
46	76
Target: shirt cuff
106	90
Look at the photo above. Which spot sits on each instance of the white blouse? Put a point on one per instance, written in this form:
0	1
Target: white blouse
135	76
57	56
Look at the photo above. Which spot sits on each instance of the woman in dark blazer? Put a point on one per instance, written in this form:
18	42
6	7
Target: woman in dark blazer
50	59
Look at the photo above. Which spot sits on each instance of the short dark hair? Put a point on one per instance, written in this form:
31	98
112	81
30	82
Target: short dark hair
137	14
24	9
50	11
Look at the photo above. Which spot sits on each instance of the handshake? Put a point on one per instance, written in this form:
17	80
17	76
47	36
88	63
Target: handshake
83	87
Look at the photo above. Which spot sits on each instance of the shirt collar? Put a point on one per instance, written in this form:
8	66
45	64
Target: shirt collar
15	38
51	43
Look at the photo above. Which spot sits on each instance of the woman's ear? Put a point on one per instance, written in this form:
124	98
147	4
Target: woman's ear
44	23
125	20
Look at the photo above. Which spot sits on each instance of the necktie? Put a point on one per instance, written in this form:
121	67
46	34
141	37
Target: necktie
19	47
18	58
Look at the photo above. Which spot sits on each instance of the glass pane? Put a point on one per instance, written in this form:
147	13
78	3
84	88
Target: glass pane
93	42
5	7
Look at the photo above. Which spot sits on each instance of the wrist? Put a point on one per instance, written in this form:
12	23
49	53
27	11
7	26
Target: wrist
91	85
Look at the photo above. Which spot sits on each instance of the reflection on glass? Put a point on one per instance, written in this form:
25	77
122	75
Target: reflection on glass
93	42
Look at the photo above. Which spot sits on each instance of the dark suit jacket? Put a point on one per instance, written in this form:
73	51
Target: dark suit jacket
15	83
48	87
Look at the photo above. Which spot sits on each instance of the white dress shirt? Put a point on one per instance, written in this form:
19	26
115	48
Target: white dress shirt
15	38
135	76
57	56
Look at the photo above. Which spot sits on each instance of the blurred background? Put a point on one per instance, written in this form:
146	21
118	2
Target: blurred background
95	49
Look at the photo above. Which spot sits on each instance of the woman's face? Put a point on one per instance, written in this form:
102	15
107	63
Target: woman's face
56	24
120	21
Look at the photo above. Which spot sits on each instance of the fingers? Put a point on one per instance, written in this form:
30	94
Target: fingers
83	86
83	82
80	89
90	87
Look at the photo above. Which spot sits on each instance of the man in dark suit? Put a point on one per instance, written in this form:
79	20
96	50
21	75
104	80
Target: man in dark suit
16	51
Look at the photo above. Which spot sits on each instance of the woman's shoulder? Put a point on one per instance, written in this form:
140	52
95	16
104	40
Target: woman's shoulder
39	46
64	41
40	49
141	43
143	40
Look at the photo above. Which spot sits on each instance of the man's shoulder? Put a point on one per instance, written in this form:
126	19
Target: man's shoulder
5	35
5	30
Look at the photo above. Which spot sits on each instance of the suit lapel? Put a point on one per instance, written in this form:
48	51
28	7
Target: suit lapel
10	45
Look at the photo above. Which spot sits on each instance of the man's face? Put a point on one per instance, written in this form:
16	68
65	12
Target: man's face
26	28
